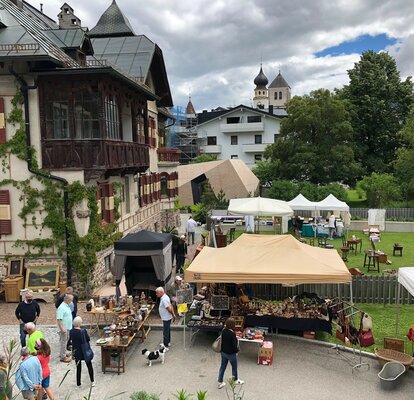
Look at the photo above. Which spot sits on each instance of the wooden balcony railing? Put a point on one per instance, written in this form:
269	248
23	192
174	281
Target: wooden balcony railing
94	154
168	155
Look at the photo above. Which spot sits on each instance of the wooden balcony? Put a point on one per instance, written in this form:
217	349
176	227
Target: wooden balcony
96	157
168	155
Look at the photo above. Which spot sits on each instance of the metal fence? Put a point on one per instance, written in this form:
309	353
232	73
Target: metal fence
380	289
391	213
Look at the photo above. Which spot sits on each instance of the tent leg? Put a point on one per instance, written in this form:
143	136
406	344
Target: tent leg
351	293
397	316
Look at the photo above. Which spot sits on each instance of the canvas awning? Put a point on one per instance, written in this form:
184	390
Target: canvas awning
301	203
330	202
406	279
268	259
259	206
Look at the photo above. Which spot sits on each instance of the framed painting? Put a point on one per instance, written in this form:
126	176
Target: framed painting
15	266
42	277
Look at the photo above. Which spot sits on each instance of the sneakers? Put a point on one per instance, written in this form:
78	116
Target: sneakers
221	385
239	382
93	384
66	359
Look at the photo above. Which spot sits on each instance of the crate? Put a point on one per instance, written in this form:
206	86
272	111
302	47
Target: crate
239	322
265	356
12	287
309	335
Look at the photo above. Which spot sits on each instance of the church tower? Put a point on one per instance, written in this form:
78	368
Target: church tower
261	99
279	92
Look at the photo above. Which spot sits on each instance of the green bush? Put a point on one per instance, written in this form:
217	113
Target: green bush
144	396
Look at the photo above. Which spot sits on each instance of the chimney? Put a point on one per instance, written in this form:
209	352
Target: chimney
270	109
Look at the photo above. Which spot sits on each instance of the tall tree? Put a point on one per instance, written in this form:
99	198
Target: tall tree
315	142
380	104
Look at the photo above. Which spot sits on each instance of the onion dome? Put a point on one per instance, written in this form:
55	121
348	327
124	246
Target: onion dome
261	80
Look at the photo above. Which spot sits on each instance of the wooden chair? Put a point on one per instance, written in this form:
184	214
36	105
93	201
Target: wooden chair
344	249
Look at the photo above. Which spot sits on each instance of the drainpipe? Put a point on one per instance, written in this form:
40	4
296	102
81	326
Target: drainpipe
24	87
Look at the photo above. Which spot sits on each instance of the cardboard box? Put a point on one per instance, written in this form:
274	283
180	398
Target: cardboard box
309	335
265	356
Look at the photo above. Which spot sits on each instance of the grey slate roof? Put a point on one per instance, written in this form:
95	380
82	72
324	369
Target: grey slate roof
67	38
279	82
112	23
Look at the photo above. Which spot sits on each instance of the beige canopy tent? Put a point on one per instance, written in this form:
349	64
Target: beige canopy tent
268	259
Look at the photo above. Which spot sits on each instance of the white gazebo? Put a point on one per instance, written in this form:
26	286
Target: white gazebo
301	203
331	203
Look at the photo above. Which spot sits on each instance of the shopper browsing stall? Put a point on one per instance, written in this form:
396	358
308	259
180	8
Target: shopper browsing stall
167	314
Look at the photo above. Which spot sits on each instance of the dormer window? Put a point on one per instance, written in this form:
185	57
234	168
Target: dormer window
66	10
74	22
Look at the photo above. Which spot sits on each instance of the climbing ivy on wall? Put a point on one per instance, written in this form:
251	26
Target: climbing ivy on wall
48	197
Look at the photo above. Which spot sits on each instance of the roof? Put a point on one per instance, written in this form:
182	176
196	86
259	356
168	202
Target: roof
112	23
261	79
300	203
202	117
190	108
330	202
143	240
138	56
279	82
42	18
274	258
406	278
70	38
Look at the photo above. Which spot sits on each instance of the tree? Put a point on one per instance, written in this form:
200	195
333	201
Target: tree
315	142
266	171
380	103
403	165
203	158
381	189
283	190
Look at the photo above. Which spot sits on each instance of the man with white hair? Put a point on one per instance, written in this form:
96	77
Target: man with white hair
28	310
73	305
64	323
34	335
167	314
29	374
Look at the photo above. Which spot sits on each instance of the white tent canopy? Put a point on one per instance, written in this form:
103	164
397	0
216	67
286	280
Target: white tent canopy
330	202
259	206
406	279
301	203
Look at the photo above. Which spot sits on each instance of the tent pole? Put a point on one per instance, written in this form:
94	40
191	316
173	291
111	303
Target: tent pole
351	293
397	316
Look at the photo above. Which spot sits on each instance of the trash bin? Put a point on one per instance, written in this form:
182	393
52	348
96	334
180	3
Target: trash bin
390	374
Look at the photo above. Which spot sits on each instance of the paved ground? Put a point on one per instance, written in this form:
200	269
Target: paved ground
300	369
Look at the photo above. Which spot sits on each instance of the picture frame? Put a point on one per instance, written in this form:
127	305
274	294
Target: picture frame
42	277
15	267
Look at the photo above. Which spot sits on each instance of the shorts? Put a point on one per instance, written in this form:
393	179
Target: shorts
28	394
46	382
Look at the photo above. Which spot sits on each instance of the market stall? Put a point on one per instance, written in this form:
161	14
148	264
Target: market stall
405	279
257	259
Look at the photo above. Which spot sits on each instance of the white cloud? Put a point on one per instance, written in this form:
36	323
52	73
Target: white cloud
212	48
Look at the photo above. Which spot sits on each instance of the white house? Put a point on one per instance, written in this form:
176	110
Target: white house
240	133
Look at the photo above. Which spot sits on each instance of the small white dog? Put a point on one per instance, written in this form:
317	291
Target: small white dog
155	355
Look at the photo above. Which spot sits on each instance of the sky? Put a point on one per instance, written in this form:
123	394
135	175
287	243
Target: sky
213	48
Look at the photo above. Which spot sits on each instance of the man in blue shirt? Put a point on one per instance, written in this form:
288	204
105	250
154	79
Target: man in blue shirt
29	375
64	323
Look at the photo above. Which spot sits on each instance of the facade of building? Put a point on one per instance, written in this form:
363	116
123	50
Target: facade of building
80	135
238	133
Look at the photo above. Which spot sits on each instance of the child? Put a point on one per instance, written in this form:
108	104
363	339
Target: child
43	354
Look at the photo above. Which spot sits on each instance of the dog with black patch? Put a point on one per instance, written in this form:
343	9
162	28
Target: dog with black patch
157	355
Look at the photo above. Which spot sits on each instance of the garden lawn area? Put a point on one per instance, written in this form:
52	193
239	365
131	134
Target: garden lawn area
383	321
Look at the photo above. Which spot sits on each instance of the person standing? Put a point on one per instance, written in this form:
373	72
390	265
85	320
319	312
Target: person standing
27	311
229	350
77	336
331	225
29	374
175	239
181	254
34	335
73	305
191	227
6	388
43	354
167	314
64	323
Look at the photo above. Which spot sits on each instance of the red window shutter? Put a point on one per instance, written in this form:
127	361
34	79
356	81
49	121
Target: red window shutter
2	122
5	213
109	203
145	187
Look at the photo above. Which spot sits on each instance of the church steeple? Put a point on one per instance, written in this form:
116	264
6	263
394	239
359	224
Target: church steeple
261	99
279	92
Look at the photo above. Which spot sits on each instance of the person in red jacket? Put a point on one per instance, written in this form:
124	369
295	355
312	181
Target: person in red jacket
43	354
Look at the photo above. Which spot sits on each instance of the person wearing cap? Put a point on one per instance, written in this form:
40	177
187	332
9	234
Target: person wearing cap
28	310
34	335
171	291
181	253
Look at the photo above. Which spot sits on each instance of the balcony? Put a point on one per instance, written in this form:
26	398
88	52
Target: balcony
242	127
96	157
168	157
211	149
254	148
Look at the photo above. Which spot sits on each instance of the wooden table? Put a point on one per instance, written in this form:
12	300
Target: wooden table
353	244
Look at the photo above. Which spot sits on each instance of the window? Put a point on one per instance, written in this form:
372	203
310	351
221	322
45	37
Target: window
107	262
257	157
86	116
234	156
105	196
233	120
257	139
254	118
233	140
112	121
275	95
127	196
164	186
211	140
57	123
275	137
280	95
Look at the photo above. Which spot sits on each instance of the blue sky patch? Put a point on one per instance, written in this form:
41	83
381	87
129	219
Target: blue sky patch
358	45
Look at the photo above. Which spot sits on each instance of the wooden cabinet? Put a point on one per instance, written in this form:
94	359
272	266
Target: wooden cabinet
12	287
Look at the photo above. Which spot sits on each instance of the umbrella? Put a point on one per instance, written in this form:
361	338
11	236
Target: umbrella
260	206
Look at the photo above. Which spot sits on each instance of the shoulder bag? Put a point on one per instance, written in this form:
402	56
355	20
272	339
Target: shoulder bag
366	338
216	346
86	348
